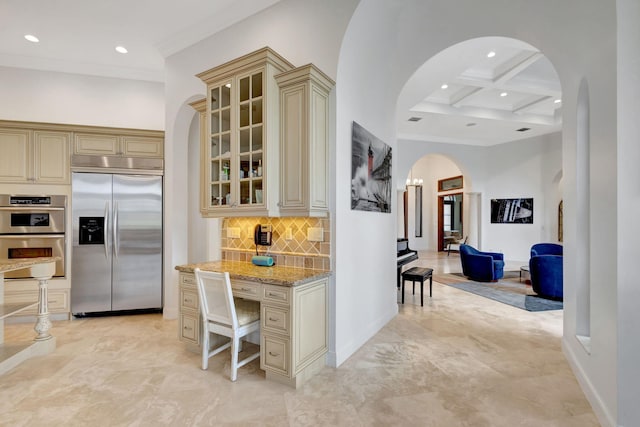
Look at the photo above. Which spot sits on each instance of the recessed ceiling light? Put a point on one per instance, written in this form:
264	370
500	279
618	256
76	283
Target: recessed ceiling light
491	54
503	94
444	86
471	124
32	38
523	129
557	101
415	119
121	49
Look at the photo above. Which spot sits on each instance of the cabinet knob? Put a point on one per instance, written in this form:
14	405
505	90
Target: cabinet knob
272	354
272	319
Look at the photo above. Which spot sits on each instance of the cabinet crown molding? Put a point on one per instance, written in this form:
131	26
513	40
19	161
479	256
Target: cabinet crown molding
303	73
81	128
248	61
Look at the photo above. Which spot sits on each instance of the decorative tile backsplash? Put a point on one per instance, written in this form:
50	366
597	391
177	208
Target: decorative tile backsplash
290	246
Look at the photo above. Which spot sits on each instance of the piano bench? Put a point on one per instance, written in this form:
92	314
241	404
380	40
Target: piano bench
418	274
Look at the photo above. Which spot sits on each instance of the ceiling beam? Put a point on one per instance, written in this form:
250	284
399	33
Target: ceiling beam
483	113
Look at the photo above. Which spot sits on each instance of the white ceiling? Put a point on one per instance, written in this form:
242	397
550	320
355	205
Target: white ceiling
471	109
80	36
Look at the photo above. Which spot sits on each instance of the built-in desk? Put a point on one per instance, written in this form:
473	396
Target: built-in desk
12	354
294	316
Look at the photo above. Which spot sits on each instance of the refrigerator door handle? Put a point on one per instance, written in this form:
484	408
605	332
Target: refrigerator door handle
105	230
115	229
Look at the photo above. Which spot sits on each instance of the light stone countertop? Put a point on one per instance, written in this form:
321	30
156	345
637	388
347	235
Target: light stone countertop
18	263
274	275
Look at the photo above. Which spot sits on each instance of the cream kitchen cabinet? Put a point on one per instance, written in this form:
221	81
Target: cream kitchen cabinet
240	145
34	156
190	322
294	324
264	138
118	144
304	147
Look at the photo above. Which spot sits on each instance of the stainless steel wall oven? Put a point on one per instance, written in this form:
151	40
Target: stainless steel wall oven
32	226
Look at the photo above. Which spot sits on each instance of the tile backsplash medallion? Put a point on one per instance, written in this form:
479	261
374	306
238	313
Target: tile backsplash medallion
294	252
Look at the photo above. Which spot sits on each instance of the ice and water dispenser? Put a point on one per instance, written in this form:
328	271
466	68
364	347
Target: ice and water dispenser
91	230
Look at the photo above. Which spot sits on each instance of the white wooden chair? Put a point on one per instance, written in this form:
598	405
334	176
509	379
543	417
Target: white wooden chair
223	316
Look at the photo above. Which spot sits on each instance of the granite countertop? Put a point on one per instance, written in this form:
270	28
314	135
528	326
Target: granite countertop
18	263
274	275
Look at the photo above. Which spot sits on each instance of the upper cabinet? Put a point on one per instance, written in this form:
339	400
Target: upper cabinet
242	140
34	156
240	151
112	144
304	150
45	153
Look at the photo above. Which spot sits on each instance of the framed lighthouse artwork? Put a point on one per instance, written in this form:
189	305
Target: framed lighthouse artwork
370	172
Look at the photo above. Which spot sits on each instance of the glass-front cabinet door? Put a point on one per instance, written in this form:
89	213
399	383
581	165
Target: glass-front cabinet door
251	133
220	145
240	151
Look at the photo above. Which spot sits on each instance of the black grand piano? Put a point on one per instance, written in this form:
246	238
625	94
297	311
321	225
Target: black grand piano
404	255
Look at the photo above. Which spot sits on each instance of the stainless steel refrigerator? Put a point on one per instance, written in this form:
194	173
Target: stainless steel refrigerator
116	262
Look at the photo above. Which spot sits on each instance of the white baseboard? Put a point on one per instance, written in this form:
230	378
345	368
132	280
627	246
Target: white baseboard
347	350
605	417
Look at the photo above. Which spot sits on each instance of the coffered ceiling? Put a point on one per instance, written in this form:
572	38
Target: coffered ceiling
484	91
80	36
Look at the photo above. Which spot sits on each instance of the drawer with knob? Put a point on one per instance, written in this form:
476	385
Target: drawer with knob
275	319
190	329
276	294
189	299
275	354
249	290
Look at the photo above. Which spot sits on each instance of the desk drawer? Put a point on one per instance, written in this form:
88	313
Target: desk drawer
188	279
247	290
275	355
275	319
277	294
189	299
190	329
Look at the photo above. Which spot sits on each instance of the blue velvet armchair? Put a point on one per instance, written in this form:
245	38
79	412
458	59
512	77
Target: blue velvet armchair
546	249
481	266
546	275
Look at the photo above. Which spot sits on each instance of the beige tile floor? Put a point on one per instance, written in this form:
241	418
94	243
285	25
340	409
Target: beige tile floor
461	360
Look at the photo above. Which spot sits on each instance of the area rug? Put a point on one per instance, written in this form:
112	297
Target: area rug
507	290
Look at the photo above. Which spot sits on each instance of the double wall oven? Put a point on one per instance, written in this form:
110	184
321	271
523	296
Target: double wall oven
30	227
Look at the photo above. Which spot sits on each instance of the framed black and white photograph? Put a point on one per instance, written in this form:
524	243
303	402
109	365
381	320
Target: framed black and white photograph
512	211
370	172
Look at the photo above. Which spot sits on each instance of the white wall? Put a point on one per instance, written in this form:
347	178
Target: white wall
628	208
430	168
384	45
45	96
524	168
302	31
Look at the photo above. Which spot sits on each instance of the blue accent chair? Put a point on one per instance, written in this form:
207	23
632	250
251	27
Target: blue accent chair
546	275
481	266
546	249
545	268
